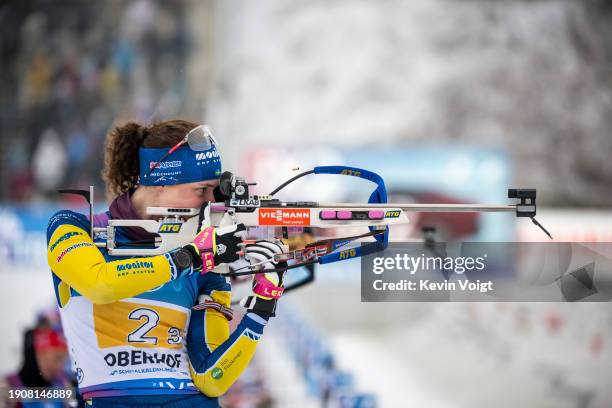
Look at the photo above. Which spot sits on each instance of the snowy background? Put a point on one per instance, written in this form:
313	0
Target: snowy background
532	77
287	83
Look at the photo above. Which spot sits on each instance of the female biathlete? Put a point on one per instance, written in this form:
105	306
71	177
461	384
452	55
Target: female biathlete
153	331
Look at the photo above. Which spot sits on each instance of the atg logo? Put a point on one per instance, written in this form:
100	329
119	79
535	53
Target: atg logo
284	216
348	253
170	228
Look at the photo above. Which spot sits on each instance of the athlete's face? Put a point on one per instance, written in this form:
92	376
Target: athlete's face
190	195
51	363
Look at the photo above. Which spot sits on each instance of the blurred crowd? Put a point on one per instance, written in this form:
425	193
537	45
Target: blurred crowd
327	383
69	70
44	365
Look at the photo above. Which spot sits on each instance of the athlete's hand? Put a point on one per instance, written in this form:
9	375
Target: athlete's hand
212	246
215	246
267	287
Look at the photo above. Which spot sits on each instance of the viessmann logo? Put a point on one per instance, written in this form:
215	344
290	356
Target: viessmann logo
284	216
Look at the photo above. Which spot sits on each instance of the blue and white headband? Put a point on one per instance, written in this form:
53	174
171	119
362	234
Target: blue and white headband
182	166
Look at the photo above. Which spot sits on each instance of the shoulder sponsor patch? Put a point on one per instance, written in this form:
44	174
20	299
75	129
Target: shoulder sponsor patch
64	237
71	248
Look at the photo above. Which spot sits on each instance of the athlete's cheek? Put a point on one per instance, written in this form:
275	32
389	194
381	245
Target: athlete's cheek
173	197
193	200
196	203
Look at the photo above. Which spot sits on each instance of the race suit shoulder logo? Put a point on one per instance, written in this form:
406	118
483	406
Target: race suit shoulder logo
63	238
284	216
71	248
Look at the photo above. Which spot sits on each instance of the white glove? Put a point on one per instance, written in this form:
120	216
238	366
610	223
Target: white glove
267	287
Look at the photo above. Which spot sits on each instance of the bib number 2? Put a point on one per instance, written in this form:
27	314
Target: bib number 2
139	325
151	319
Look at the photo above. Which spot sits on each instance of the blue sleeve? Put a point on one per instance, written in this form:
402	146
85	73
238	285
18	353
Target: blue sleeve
209	282
67	217
214	371
200	356
217	358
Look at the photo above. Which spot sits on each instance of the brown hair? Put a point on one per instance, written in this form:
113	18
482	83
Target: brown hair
121	157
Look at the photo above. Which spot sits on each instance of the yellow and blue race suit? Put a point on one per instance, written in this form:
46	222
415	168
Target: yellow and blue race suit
129	321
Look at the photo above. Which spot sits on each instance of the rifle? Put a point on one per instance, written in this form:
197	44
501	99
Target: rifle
176	227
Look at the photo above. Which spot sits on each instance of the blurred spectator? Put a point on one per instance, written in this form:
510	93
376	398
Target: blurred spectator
74	67
44	360
49	161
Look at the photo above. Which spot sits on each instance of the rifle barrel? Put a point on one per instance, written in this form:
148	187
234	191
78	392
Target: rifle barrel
419	207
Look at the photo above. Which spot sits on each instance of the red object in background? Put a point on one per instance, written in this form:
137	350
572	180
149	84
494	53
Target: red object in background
521	319
20	186
554	321
597	344
46	339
